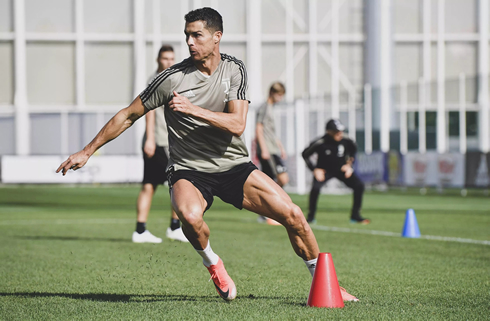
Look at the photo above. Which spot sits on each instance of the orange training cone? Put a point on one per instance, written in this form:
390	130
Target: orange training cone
325	290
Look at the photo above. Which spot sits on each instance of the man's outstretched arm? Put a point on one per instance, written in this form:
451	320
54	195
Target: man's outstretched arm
233	121
114	127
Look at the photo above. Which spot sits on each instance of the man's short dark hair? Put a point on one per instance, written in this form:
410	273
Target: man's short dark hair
212	19
165	48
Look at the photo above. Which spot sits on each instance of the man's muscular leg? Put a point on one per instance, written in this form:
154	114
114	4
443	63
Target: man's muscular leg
189	204
264	197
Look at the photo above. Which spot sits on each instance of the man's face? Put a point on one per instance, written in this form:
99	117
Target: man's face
336	135
166	60
201	41
277	97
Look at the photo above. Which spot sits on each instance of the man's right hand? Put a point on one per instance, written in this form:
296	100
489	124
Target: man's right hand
149	148
75	161
265	154
319	174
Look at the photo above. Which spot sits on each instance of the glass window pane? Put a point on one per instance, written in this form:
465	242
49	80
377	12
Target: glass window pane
50	73
7	132
466	13
49	15
6	15
273	17
324	16
125	144
45	134
272	72
109	73
461	58
7	67
149	16
236	50
408	68
352	64
234	16
108	16
407	16
301	10
351	17
172	19
301	73
324	72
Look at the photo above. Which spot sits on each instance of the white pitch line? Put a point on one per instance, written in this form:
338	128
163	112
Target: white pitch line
384	233
315	227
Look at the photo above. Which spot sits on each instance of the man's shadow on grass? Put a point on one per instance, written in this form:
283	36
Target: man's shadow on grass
113	297
74	238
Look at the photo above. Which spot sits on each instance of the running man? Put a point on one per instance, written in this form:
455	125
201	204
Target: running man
205	102
336	156
155	157
270	151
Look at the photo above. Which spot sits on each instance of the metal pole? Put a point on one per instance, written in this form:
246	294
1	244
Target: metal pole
139	64
385	76
335	59
300	144
483	70
403	118
22	121
422	102
441	79
313	53
254	65
462	113
368	119
352	115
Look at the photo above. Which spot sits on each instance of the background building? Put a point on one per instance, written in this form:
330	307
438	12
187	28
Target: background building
402	74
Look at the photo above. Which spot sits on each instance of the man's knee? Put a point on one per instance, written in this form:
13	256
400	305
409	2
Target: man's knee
295	217
359	186
190	216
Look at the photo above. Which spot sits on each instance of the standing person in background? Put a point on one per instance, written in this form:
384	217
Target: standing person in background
155	155
336	156
270	151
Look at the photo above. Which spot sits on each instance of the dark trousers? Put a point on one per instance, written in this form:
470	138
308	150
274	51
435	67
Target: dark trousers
353	182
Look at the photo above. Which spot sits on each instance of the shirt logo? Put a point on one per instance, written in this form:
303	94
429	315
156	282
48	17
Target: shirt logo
328	152
188	94
341	151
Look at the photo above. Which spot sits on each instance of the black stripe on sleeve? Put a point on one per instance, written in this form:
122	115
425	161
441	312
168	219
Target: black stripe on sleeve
241	92
157	81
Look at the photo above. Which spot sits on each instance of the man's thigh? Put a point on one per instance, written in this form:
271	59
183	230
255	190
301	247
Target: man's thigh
187	199
352	182
263	196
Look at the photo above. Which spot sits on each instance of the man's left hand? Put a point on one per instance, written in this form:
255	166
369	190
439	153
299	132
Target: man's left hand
348	170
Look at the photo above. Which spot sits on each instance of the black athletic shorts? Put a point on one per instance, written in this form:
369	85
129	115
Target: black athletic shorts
273	166
226	185
154	172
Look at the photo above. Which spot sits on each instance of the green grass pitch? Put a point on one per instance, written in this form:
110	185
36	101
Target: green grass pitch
66	254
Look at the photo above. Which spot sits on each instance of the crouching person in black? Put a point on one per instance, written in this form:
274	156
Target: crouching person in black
335	159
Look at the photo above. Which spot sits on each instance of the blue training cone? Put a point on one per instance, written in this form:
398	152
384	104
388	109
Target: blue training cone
411	227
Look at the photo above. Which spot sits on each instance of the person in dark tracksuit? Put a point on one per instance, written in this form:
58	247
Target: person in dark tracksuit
335	159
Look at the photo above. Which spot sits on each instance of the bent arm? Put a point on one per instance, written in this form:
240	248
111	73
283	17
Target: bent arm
310	150
114	127
121	121
233	121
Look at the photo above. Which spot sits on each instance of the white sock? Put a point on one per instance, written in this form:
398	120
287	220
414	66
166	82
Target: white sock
208	256
311	265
